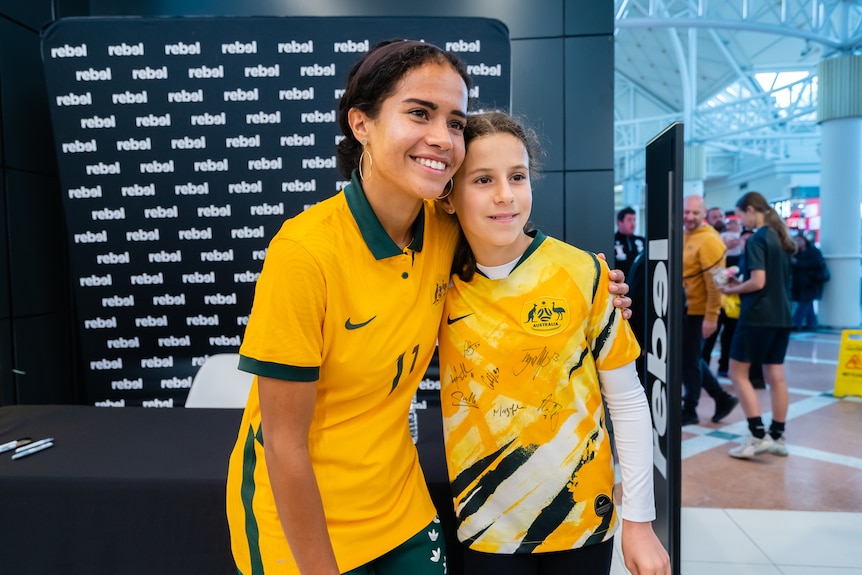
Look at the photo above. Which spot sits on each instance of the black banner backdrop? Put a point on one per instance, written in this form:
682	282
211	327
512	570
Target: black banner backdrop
183	144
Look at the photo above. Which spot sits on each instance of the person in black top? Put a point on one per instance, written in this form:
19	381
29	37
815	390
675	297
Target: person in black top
627	245
763	329
807	284
755	372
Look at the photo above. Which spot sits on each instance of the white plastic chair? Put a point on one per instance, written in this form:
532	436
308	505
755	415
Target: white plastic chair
218	383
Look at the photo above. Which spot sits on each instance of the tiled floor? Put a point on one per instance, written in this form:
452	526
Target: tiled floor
795	515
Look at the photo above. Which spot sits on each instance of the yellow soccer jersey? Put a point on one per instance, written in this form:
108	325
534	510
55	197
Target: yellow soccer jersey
529	458
339	303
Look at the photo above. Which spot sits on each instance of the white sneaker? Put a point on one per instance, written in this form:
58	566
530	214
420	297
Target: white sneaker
779	447
751	446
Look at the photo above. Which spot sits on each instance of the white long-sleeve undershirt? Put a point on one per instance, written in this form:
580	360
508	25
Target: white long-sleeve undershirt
630	416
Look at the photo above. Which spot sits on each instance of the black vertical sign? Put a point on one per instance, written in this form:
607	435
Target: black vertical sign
183	144
663	339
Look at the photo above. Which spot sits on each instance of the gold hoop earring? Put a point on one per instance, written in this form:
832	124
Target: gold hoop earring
364	153
450	185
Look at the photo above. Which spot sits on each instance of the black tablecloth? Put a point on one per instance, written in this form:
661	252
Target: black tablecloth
128	491
123	491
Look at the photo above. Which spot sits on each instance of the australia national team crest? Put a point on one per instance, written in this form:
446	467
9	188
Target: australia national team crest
545	315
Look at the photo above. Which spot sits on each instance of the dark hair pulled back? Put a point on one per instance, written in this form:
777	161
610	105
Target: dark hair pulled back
375	77
772	219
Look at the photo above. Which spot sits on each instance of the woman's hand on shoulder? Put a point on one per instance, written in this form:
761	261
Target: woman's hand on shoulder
618	287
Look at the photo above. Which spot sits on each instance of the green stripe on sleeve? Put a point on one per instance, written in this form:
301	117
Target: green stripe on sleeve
277	370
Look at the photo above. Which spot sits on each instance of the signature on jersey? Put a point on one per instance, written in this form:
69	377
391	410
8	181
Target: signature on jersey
538	358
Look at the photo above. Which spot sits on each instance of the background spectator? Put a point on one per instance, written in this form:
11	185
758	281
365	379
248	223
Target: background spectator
627	245
809	273
715	218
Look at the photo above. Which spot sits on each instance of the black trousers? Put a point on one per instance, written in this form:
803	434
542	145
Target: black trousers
590	560
726	327
695	372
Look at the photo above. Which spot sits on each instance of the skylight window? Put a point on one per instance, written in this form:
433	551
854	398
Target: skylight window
731	93
785	95
788	89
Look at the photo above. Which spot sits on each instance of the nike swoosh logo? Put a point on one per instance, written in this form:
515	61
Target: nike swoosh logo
450	320
349	325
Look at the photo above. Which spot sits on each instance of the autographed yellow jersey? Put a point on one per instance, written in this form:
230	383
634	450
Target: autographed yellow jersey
338	303
529	457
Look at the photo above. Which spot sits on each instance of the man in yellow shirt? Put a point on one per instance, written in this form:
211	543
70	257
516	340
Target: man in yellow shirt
703	251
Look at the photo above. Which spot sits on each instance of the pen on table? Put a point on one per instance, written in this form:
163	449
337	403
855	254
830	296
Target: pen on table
32	450
14	444
30	446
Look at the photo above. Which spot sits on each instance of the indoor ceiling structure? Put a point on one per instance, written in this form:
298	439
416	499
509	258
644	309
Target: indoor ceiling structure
740	74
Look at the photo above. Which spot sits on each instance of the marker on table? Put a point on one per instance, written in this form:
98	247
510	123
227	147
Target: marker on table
35	444
32	450
15	444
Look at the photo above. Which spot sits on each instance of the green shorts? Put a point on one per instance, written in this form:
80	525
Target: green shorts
422	554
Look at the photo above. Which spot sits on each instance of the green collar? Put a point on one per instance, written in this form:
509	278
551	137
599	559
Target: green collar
538	238
376	238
